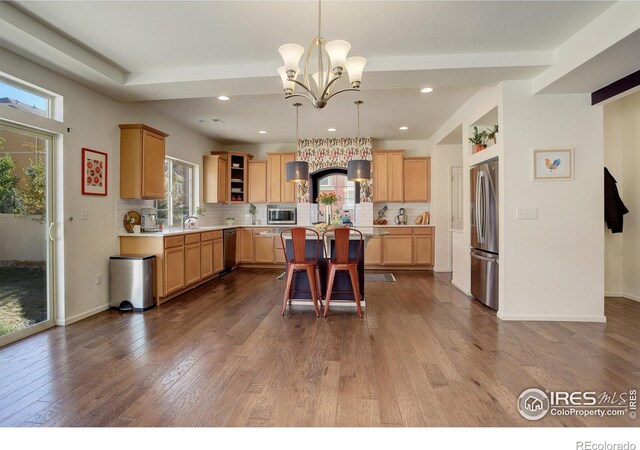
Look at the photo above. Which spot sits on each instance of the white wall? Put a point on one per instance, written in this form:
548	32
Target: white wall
622	250
443	158
552	268
93	119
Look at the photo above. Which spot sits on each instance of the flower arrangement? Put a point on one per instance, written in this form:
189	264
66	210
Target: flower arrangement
328	198
252	209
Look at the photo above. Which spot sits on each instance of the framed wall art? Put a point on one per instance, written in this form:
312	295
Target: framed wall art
94	172
553	164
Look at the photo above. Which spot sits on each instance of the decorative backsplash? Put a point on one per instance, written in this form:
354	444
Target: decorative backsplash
333	152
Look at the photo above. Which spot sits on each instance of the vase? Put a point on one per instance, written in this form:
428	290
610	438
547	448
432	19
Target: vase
327	214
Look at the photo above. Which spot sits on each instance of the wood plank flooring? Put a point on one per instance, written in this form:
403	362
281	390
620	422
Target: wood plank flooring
221	355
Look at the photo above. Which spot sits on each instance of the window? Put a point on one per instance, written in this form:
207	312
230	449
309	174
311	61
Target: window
179	188
344	188
24	100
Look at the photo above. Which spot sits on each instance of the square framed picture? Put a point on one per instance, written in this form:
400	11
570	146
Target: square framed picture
553	164
94	172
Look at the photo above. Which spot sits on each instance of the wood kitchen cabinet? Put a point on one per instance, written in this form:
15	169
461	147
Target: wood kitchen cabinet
279	190
388	175
192	258
373	252
215	180
225	177
257	181
218	255
407	247
263	248
417	179
142	151
244	245
422	247
206	259
173	265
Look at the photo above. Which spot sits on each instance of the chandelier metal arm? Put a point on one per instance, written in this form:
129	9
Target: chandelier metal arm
329	84
305	88
342	90
308	97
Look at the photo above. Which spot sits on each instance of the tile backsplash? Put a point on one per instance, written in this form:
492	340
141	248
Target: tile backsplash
413	210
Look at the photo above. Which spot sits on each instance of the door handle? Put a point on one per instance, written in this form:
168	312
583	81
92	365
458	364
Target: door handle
49	231
484	258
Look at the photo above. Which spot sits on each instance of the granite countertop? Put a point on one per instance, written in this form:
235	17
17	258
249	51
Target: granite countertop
369	231
401	226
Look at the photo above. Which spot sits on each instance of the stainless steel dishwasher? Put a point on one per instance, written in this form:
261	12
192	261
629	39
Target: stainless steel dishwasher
229	250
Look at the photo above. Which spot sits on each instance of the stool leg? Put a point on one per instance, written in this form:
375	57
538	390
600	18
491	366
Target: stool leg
353	274
287	289
318	284
312	285
332	274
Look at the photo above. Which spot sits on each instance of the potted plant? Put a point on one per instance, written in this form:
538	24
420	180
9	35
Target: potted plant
492	134
479	139
381	216
253	210
327	199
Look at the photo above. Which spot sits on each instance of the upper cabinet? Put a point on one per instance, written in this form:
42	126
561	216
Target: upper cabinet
257	181
215	180
388	175
142	151
279	190
225	177
417	179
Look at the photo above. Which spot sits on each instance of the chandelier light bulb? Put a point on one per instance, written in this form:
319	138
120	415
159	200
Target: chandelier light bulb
291	54
338	51
355	66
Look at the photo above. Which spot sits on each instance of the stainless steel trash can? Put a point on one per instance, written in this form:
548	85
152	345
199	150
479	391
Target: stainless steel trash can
131	282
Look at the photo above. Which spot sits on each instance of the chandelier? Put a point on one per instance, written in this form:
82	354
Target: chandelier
324	65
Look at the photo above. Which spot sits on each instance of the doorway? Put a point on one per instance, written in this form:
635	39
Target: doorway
26	244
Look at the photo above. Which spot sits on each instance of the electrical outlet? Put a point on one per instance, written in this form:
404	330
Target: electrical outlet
84	214
98	278
526	214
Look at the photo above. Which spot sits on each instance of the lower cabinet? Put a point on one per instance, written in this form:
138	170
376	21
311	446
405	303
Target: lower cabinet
173	270
218	255
263	248
403	246
192	258
206	259
244	245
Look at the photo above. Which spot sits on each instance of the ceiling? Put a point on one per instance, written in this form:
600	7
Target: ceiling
179	56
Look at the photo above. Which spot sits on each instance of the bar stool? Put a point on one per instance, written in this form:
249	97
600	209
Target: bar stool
343	263
301	263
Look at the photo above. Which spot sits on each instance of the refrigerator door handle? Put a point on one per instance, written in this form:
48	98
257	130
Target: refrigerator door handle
480	206
484	258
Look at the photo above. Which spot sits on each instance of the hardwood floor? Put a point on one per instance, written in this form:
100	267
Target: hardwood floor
424	355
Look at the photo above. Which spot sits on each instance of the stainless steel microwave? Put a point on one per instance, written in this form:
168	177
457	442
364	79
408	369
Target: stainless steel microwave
281	215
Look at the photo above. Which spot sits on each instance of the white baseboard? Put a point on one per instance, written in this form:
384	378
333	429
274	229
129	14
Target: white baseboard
441	269
84	315
626	295
460	287
543	318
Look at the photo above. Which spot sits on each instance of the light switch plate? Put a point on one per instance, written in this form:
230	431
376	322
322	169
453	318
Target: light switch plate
527	213
84	214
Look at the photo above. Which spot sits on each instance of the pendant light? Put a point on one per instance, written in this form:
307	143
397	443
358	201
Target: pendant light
358	169
297	171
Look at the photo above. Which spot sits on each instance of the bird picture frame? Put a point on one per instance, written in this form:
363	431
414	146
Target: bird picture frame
554	164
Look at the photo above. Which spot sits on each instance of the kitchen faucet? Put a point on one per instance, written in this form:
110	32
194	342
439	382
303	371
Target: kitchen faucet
185	218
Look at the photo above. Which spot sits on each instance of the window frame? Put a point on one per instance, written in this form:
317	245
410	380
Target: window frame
52	99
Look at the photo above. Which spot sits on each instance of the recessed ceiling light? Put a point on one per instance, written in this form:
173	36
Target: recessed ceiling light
332	129
262	132
404	128
426	90
223	98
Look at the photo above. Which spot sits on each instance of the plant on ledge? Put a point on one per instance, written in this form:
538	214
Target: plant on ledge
479	139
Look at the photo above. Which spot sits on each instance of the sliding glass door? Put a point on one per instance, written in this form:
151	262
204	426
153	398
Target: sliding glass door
26	243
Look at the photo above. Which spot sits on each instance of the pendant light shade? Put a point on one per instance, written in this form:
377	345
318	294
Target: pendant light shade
297	171
359	170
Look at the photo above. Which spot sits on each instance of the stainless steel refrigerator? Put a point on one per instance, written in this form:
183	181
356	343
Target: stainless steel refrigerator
484	233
